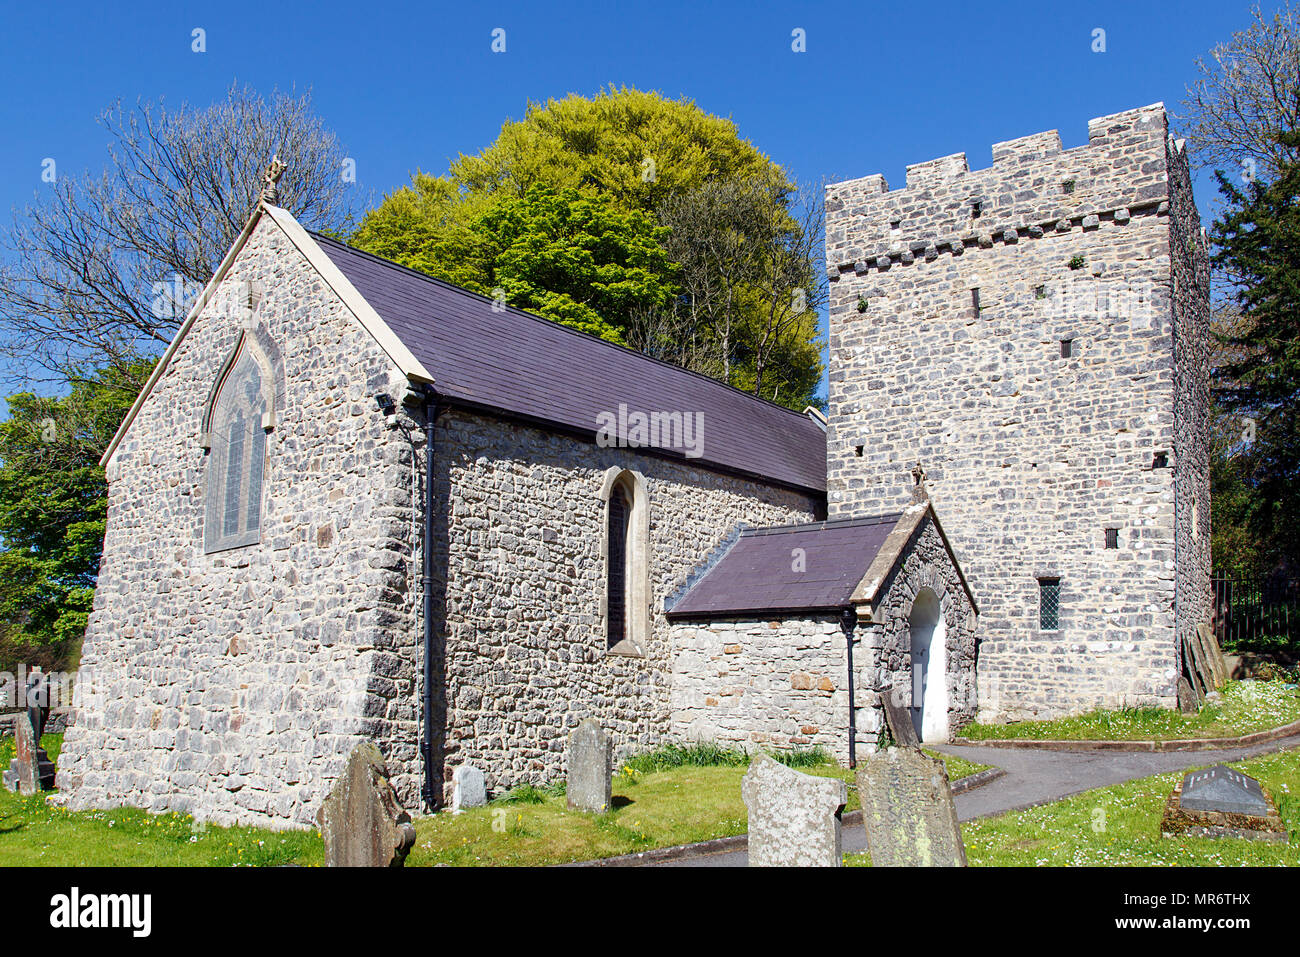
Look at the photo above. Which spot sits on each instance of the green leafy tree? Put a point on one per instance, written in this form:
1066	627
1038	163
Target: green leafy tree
53	502
637	154
1258	379
634	146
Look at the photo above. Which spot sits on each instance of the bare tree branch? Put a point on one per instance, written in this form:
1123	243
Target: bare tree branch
104	268
1247	93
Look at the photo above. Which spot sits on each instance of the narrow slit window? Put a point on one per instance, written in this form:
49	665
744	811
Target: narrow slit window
620	513
1049	604
975	302
1067	348
1112	538
976	208
1160	461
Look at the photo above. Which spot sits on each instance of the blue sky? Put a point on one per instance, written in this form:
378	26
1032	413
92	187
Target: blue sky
409	87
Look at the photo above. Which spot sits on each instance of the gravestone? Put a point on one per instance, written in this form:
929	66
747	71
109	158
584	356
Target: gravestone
1221	802
361	822
1214	653
467	789
908	811
1187	701
1220	788
31	769
1195	666
590	768
38	701
900	720
794	819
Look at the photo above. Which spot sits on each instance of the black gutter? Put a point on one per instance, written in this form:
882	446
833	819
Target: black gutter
430	420
849	622
754	614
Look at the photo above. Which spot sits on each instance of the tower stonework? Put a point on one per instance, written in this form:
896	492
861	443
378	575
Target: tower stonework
1036	336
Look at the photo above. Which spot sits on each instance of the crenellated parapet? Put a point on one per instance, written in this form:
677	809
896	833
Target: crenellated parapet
1033	188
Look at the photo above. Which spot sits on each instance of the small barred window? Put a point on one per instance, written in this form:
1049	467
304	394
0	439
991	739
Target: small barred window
1049	604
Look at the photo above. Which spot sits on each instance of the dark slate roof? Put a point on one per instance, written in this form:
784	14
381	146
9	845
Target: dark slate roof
514	362
757	574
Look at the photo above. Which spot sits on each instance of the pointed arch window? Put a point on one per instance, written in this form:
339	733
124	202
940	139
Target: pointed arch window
239	415
625	602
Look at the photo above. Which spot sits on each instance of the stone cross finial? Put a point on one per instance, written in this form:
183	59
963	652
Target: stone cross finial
271	180
919	493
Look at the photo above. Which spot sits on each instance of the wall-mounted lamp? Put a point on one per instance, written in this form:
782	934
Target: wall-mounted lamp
388	408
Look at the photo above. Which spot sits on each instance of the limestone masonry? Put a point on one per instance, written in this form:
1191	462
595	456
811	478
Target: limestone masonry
1033	334
233	685
1036	335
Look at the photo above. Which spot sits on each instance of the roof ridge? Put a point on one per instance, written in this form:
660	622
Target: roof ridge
880	519
515	310
703	568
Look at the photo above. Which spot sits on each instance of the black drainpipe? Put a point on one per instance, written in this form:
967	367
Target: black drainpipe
430	420
849	621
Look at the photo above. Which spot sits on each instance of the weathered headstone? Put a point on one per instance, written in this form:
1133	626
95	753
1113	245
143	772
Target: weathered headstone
908	811
31	769
1214	653
467	788
900	720
1195	666
794	819
1187	701
361	822
591	768
1221	802
38	701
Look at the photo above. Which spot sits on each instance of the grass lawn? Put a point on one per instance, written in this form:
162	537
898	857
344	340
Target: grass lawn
653	808
34	833
656	809
1247	706
1119	826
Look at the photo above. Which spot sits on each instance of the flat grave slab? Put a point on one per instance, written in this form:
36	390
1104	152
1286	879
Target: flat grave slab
1220	788
1222	802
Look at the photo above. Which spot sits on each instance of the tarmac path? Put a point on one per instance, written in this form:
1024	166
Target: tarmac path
1037	777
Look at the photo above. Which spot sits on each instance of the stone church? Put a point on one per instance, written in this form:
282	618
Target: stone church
354	502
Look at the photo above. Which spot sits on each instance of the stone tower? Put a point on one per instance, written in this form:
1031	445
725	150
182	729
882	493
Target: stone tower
1035	335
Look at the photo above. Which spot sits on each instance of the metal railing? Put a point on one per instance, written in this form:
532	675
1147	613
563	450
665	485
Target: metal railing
1257	615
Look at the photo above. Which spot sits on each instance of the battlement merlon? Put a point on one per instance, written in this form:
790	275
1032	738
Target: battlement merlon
936	171
1033	185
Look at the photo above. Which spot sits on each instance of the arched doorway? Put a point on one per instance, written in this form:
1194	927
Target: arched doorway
929	666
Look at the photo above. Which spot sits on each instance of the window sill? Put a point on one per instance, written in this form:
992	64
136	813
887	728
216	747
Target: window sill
625	649
230	546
